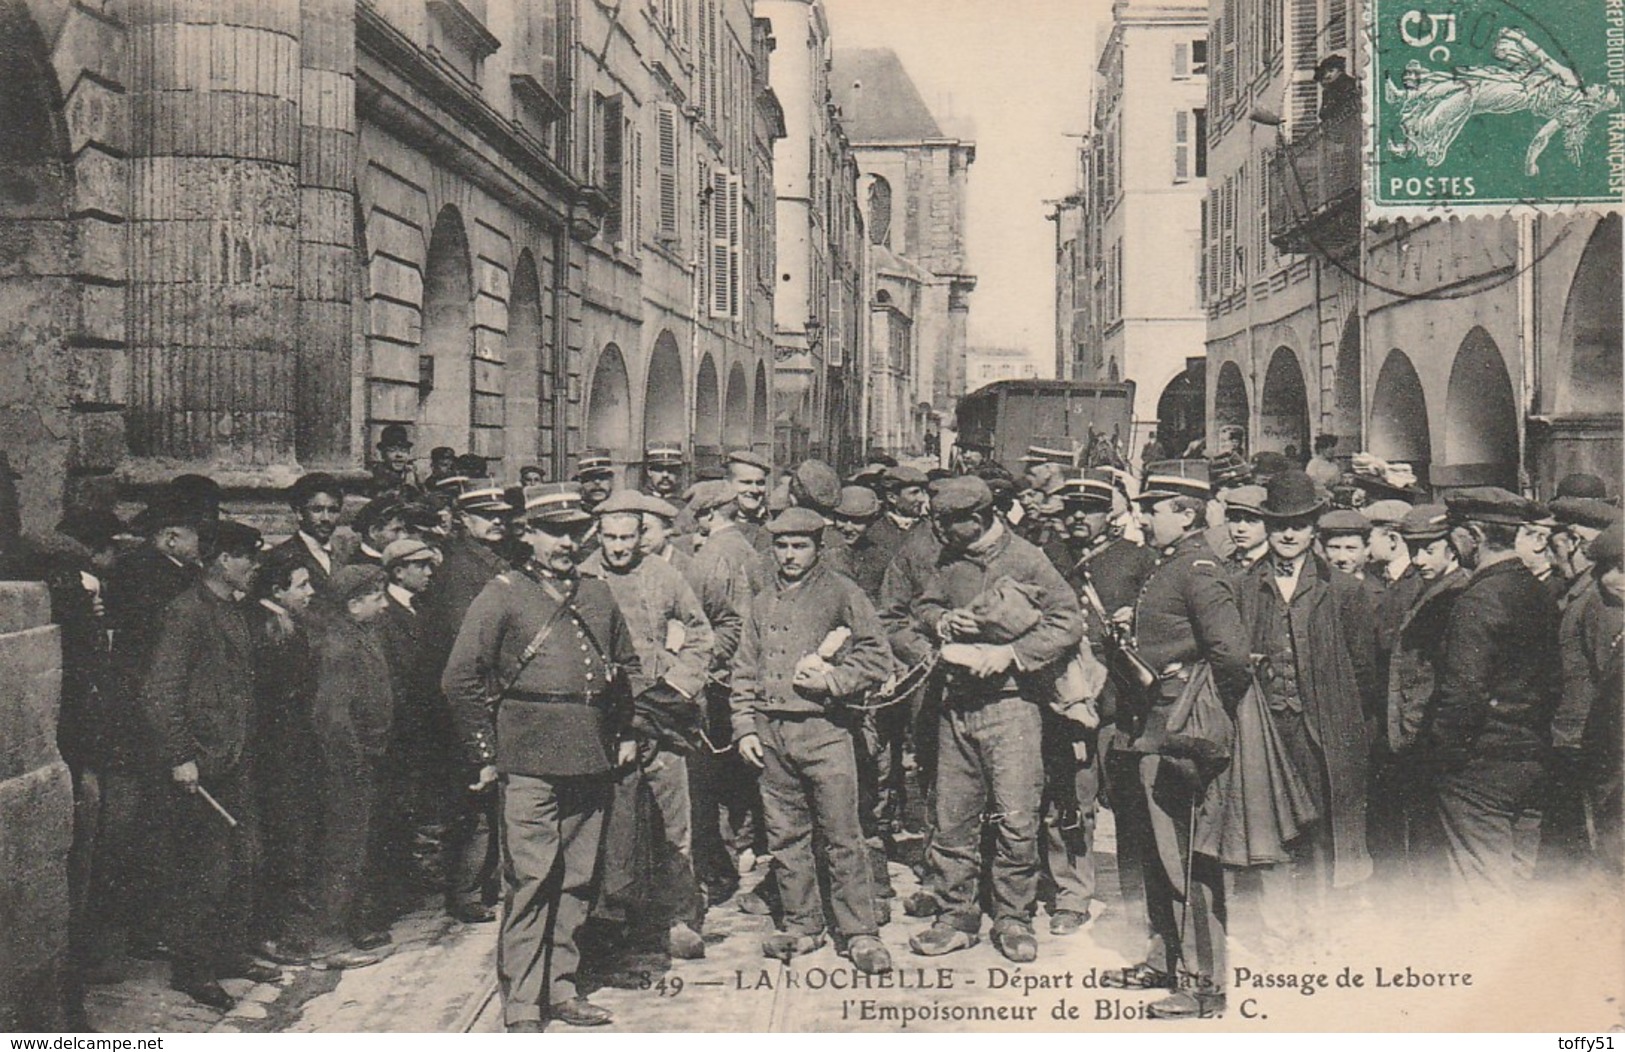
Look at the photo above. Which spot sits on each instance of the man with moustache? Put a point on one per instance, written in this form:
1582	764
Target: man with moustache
556	647
663	470
595	473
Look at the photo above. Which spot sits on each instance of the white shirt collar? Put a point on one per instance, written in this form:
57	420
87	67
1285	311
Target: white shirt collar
322	553
401	596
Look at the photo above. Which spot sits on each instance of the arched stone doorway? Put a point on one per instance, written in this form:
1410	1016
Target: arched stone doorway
521	372
1399	415
1580	395
665	417
761	431
36	258
1481	416
1230	409
445	411
1283	406
609	405
736	427
1346	407
707	415
1181	413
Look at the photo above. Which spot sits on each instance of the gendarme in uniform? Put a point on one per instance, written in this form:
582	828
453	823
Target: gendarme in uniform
553	738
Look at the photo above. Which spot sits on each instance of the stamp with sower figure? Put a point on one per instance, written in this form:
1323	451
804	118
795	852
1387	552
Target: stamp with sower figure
1490	106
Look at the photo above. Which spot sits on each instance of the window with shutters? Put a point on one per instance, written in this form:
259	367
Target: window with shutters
1337	29
722	241
1227	60
1269	31
1227	236
1240	191
1204	255
1199	57
1199	120
1212	215
608	169
1182	59
1182	146
1261	216
736	248
666	169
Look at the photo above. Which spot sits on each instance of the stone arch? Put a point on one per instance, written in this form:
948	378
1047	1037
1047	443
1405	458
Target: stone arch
708	422
736	416
1346	399
1585	377
1181	413
521	371
1283	405
1231	408
665	417
609	403
37	261
1480	411
445	410
761	431
1399	414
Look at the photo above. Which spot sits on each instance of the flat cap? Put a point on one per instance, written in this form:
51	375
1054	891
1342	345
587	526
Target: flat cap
594	462
961	494
858	502
1490	504
555	502
665	509
1344	521
408	550
622	502
712	493
1249	498
902	476
818	483
1582	484
1585	511
1425	522
355	580
796	520
751	457
234	538
1388	512
1604	550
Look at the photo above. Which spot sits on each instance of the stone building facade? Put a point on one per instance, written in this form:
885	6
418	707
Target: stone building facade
241	239
1485	350
1131	266
912	186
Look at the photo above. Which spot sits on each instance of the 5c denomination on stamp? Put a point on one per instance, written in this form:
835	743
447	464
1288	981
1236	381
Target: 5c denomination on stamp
1488	106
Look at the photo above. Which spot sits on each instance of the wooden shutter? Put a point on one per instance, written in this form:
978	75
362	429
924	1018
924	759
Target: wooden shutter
1227	235
1182	146
635	202
1212	216
720	247
666	171
612	175
735	247
1182	59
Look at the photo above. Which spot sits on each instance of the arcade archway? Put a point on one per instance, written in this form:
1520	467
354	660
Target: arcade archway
664	415
1481	415
1283	407
1399	414
1181	413
1346	406
736	430
609	404
521	373
1580	396
761	432
445	409
1230	409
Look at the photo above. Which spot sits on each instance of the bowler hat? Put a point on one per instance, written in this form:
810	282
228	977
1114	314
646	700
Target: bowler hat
168	509
234	538
94	528
797	520
1291	495
1582	484
394	436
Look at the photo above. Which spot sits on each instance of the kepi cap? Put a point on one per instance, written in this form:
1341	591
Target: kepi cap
482	496
663	454
555	502
1425	522
594	462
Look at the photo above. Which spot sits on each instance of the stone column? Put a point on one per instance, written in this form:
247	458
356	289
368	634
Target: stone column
327	265
215	206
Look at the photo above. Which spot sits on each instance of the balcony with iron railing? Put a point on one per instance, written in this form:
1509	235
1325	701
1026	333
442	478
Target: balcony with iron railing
1315	187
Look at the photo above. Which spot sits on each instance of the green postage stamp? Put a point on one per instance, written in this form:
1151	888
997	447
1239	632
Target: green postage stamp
1490	106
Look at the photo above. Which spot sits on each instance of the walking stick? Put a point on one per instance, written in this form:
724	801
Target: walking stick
212	802
1185	906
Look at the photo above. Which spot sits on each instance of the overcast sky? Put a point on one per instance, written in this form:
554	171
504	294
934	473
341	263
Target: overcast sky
1015	75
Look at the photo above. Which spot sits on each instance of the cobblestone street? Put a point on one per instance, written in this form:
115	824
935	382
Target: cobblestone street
441	978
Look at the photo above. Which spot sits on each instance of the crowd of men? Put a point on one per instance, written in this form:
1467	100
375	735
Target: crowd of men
596	706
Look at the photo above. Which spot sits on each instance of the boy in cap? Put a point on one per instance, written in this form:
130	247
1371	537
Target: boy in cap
748	473
353	714
198	696
472	558
558	651
811	643
442	466
991	725
1499	682
673	640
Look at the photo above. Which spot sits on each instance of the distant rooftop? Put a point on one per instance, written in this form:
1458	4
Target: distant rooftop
878	100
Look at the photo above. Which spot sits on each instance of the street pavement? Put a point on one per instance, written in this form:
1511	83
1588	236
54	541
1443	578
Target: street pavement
1553	962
